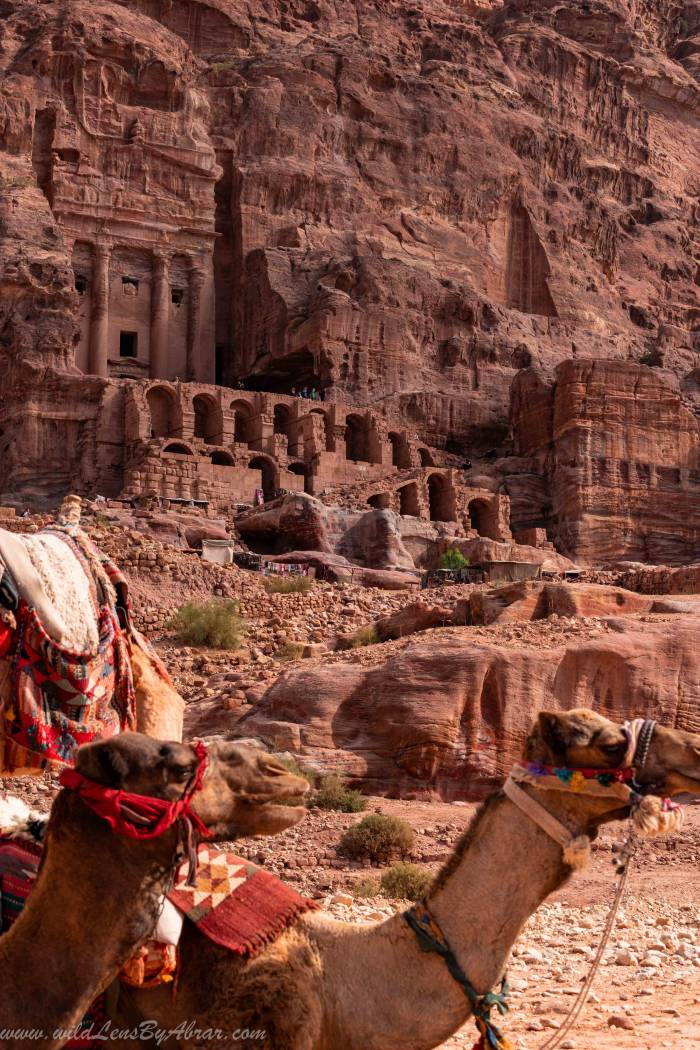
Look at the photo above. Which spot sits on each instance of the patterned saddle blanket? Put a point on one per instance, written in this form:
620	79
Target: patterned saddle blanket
65	672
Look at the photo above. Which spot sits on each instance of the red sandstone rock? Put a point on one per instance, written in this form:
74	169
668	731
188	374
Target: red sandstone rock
406	206
447	715
616	454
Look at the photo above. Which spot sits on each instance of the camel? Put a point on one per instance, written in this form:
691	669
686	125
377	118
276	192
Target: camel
329	985
98	893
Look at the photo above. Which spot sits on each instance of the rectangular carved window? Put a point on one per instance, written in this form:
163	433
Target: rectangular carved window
130	286
177	296
128	342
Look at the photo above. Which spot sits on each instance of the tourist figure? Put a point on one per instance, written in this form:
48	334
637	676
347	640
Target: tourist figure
305	392
259	497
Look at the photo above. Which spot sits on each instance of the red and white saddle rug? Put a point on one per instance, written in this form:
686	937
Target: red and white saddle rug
235	903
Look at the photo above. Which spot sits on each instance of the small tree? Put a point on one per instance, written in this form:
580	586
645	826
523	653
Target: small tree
453	559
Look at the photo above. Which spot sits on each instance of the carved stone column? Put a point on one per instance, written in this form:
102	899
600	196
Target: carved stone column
200	321
194	320
99	315
160	316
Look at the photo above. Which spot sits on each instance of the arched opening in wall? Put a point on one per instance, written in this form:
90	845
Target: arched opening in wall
408	500
327	426
484	518
207	420
356	439
400	451
282	375
269	475
380	501
222	459
281	421
178	449
302	470
441	498
242	415
426	459
162	405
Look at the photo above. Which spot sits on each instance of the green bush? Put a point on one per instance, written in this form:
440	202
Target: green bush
287	584
290	651
365	636
405	882
334	794
214	623
453	559
366	888
379	838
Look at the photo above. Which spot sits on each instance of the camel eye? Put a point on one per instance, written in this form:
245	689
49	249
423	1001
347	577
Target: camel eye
180	772
610	749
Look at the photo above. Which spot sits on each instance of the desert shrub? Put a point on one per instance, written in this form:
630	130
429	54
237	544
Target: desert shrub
378	837
287	584
214	623
365	636
333	793
453	559
290	651
405	882
366	888
649	358
218	67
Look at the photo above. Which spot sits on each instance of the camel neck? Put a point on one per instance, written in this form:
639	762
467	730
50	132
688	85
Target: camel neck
499	874
95	900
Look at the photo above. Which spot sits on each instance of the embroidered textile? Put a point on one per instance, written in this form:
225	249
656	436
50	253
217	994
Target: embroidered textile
61	700
235	903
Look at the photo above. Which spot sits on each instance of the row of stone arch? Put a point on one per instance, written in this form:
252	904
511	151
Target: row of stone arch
265	464
442	505
361	440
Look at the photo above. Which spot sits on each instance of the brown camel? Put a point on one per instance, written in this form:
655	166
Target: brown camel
327	985
98	893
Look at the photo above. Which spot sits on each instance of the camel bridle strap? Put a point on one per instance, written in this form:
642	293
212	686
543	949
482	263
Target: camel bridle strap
143	816
539	815
431	938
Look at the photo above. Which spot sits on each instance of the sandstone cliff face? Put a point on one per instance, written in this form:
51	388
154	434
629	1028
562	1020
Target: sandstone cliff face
426	207
610	459
408	199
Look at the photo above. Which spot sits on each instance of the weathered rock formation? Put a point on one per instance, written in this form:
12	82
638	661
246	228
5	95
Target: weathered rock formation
400	205
608	457
448	716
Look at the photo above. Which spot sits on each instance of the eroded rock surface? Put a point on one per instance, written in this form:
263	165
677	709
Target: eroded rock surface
404	206
446	712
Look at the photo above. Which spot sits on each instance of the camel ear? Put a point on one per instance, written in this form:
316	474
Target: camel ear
548	741
103	763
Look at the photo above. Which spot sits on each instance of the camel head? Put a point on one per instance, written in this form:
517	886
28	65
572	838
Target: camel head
244	792
582	738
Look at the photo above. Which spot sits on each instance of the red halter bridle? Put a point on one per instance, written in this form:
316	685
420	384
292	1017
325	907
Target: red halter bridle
142	816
